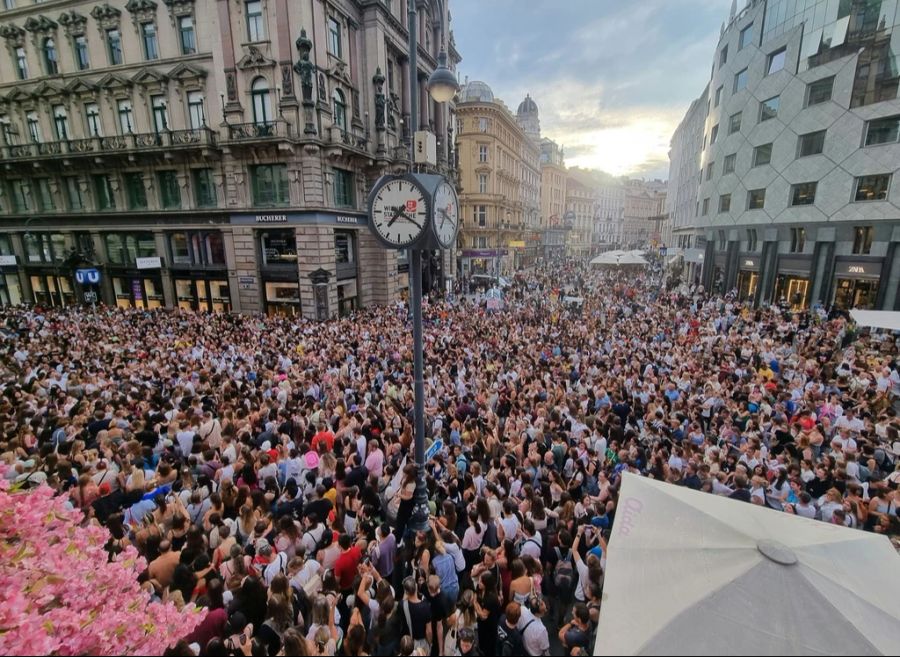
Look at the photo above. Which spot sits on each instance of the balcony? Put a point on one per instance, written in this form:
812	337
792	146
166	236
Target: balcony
270	130
122	144
344	140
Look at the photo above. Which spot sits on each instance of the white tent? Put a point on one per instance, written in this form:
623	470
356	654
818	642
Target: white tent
619	258
693	573
885	319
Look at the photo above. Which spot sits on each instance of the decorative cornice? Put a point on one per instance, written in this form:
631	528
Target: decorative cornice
40	24
187	73
255	59
179	8
107	16
142	11
14	34
73	22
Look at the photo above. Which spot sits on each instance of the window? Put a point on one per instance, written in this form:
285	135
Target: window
723	242
21	63
819	91
126	121
728	167
9	4
61	122
114	44
169	190
19	197
723	56
719	95
725	203
195	110
81	53
343	189
34	127
883	131
135	191
862	239
204	188
756	199
255	29
482	125
262	103
873	188
709	171
768	109
270	184
798	240
51	59
705	207
740	80
73	193
752	239
482	154
126	248
480	215
340	110
279	247
181	250
746	37
160	113
811	143
44	247
105	197
334	37
186	35
762	155
803	194
714	134
776	61
9	134
343	248
734	123
148	36
482	183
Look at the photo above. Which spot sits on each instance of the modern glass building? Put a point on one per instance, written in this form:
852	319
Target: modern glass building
796	200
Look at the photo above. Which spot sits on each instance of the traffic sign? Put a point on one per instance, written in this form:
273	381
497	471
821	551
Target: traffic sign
90	296
87	276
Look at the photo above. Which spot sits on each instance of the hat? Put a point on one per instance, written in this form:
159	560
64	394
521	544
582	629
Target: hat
105	489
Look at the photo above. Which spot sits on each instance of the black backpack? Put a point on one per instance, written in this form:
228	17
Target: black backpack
509	640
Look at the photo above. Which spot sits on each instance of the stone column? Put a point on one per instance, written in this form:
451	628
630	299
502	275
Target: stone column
231	267
246	266
377	272
315	250
165	271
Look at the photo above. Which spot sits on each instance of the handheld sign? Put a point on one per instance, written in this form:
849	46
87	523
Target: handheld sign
436	447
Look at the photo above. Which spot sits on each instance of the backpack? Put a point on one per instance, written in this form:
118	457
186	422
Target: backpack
564	574
509	640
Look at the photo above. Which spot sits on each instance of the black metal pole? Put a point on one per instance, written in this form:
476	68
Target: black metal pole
419	519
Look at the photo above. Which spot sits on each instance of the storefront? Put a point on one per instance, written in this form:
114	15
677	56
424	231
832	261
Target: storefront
278	266
136	288
10	288
748	277
718	279
856	284
197	292
792	282
481	261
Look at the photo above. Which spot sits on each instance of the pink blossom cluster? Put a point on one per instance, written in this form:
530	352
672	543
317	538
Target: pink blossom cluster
60	594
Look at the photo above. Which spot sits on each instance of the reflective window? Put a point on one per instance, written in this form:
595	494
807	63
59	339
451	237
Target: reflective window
862	239
114	44
762	155
725	203
255	28
883	131
334	37
734	123
768	109
746	37
187	36
51	58
819	91
279	247
803	194
776	61
740	80
811	143
728	167
873	188
81	53
756	199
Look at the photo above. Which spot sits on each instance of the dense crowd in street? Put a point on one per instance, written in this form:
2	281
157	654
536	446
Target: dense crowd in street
264	466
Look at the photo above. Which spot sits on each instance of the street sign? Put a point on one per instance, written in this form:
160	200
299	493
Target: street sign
90	296
663	251
149	263
87	276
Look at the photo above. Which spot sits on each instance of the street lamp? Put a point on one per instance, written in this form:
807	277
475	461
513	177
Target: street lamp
442	86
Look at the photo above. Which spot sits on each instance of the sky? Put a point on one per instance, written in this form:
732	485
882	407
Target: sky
612	78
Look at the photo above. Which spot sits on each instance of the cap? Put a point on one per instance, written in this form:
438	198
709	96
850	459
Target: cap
105	489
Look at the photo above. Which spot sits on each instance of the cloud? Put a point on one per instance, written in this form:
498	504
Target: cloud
612	79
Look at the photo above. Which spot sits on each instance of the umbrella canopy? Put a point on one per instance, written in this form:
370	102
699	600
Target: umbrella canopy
694	573
886	319
633	259
619	258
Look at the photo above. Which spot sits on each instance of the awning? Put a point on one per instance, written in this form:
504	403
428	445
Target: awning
885	319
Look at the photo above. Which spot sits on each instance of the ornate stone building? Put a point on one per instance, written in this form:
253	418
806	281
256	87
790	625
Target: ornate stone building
500	181
208	154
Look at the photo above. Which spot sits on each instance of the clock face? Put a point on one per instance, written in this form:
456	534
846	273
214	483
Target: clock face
400	212
446	215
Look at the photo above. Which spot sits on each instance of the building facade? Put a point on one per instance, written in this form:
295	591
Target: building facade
581	210
643	214
207	154
553	199
800	146
499	173
609	223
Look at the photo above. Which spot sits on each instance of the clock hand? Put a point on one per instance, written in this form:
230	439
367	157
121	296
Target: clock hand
444	214
396	216
412	221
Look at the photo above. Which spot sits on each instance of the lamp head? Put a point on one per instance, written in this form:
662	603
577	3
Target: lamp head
442	84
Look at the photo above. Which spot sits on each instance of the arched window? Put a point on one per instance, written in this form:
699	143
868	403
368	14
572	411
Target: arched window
262	102
51	62
340	110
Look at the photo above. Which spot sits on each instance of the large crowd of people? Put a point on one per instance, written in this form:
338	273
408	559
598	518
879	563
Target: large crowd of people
264	466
